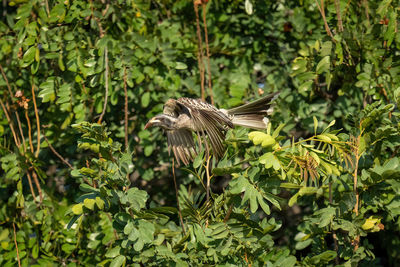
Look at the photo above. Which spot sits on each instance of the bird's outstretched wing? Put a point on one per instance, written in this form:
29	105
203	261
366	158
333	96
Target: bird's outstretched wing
207	121
182	145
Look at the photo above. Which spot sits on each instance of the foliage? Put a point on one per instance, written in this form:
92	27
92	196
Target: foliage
319	187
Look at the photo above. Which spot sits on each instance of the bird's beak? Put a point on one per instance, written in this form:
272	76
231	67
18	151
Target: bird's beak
150	123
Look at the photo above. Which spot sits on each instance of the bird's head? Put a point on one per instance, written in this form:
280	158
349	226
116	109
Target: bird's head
164	121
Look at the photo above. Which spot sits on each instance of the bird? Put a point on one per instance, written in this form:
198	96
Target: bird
184	116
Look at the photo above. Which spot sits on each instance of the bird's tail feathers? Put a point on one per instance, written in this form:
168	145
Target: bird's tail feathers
254	121
260	106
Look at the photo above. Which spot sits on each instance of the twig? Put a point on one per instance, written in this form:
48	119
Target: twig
35	179
37	120
47	8
366	10
208	176
10	123
106	85
20	130
356	205
126	110
321	9
204	7
200	49
16	245
6	80
339	17
56	153
334	236
29	130
177	197
31	185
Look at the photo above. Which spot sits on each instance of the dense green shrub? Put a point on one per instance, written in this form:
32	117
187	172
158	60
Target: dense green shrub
320	187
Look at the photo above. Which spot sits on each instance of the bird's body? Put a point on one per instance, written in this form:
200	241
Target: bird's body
185	115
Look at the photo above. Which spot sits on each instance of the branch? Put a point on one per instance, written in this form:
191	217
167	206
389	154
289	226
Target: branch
177	197
37	121
339	17
56	153
35	179
16	246
321	9
29	130
10	123
200	49
204	7
106	85
126	110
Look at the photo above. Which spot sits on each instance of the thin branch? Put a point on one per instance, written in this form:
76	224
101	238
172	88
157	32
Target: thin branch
365	2
16	246
334	236
200	49
10	123
177	197
37	120
339	17
208	176
204	7
106	85
31	185
35	179
29	130
56	153
126	110
321	9
47	8
20	130
6	80
356	151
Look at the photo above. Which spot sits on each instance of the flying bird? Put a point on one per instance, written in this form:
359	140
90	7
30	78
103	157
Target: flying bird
181	117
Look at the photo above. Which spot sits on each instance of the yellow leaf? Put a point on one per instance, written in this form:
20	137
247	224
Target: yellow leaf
77	209
369	223
89	203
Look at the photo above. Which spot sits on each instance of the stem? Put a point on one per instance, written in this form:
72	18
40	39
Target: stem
204	7
177	197
29	130
126	110
356	206
106	85
321	9
35	179
37	121
10	123
208	177
31	185
334	236
339	17
56	153
200	50
16	245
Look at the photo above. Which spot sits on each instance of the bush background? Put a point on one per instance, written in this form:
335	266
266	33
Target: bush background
314	196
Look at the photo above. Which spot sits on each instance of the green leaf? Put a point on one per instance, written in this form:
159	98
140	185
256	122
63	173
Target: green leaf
118	261
145	99
315	125
249	7
180	66
263	205
29	54
323	65
114	252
